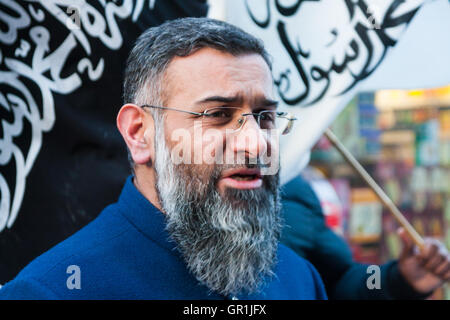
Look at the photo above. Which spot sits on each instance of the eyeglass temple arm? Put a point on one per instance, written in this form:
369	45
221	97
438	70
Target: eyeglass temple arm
179	110
288	115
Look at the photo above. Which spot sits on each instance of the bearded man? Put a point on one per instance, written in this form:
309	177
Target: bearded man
199	218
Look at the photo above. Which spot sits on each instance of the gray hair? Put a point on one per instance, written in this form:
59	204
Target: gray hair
157	46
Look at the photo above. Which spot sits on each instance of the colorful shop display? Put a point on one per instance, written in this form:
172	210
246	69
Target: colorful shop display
402	138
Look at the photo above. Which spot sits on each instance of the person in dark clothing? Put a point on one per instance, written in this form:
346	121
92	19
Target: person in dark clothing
183	229
61	88
306	233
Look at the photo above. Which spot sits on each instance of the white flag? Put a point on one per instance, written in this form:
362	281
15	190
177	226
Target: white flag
325	51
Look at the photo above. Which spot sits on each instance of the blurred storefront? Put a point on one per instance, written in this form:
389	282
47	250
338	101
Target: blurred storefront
402	138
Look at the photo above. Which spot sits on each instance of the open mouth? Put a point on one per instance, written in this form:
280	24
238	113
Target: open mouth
244	177
241	178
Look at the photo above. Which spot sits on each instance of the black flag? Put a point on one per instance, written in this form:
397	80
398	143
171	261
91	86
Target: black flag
62	160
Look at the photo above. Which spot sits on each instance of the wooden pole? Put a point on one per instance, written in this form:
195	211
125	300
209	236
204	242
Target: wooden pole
376	188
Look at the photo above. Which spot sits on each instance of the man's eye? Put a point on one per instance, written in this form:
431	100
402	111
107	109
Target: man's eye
219	114
267	116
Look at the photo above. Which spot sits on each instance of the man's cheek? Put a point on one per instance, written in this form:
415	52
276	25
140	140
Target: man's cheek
181	149
188	146
270	159
213	142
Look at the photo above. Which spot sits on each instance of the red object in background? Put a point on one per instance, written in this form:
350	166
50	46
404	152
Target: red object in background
333	215
369	254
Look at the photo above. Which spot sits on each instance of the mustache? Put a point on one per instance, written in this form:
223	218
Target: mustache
214	171
210	175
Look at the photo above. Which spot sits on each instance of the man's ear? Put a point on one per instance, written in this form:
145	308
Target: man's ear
138	130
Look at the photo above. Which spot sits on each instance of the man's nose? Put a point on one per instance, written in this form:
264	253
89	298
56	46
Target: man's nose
249	139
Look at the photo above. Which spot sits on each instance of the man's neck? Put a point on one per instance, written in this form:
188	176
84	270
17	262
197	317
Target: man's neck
146	185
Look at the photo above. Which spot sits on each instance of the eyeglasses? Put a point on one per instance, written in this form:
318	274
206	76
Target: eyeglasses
230	118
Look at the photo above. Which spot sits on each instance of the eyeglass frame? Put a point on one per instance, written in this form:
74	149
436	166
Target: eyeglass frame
287	115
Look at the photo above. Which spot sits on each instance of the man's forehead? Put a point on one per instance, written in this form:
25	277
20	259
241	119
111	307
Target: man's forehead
209	62
209	72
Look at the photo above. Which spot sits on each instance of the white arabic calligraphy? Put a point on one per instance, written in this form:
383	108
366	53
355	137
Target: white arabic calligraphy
349	42
45	72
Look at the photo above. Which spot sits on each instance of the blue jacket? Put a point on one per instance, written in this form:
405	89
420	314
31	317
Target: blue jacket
126	253
307	234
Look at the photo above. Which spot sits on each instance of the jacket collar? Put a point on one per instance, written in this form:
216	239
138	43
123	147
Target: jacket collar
144	215
299	190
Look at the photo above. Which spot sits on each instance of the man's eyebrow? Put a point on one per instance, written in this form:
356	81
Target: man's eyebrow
221	99
263	102
269	103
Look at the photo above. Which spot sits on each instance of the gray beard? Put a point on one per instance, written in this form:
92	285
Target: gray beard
229	242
